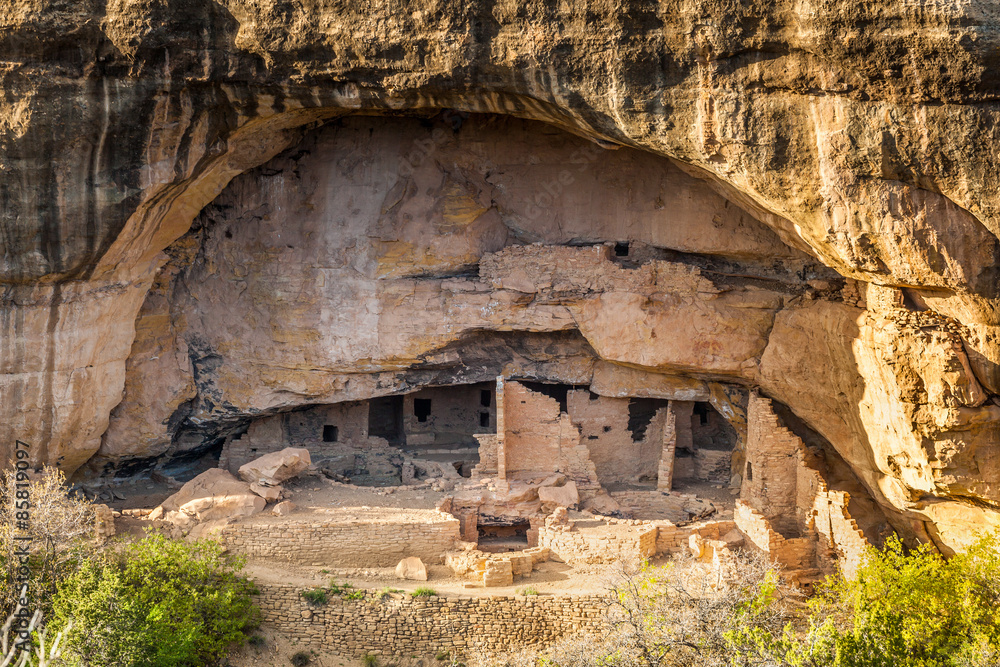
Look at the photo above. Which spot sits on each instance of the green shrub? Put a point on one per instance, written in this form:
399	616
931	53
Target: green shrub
385	592
156	602
528	590
370	660
316	596
423	592
257	641
909	609
300	659
353	595
338	588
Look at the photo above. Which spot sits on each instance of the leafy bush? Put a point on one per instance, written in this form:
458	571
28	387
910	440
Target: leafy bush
155	602
528	590
908	609
353	595
300	659
423	592
316	596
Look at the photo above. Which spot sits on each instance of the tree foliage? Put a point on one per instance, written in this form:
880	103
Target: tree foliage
156	602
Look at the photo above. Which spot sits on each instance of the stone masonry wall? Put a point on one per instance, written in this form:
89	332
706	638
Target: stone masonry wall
788	498
531	437
346	543
538	439
671	539
771	474
603	424
398	624
623	542
300	428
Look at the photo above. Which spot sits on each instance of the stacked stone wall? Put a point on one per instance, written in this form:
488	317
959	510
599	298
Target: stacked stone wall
398	624
787	496
671	539
346	543
623	542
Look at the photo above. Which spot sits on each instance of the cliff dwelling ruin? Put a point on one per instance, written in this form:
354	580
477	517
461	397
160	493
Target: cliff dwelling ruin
493	357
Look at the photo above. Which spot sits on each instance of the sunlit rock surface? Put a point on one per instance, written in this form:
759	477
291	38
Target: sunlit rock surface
809	190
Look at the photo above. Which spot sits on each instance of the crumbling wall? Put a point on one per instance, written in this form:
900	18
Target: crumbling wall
618	457
538	439
786	507
599	541
672	539
378	539
455	414
487	466
531	431
398	624
301	428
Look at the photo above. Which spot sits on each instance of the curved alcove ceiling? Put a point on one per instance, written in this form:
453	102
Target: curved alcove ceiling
870	141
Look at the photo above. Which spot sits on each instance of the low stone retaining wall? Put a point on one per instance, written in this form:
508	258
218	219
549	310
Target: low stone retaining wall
357	540
608	543
399	624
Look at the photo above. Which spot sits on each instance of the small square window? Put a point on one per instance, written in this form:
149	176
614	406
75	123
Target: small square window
330	433
484	419
421	409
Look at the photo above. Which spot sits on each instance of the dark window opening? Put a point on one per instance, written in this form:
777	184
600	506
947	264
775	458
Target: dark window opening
640	413
749	472
913	301
701	409
503	536
559	392
621	249
485	398
330	433
385	418
594	396
592	437
253	450
607	429
421	409
484	419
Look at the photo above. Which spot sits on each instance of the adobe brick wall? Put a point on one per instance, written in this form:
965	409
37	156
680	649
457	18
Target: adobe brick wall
621	541
786	507
401	625
603	424
358	542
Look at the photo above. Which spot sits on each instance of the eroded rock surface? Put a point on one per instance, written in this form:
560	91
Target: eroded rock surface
809	193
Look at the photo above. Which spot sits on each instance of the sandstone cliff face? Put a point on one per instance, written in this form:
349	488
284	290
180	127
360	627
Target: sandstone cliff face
861	135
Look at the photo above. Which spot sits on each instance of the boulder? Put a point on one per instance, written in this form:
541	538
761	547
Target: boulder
412	568
602	503
268	493
521	492
212	495
283	508
274	468
559	496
